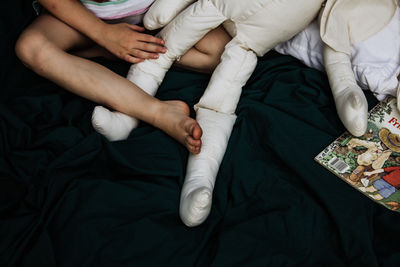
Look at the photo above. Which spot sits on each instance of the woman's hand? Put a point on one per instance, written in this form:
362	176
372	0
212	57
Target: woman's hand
127	42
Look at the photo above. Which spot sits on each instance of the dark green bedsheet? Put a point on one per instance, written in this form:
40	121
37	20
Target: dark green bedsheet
71	198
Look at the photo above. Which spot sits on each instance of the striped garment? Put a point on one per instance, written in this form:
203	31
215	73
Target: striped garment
117	9
130	11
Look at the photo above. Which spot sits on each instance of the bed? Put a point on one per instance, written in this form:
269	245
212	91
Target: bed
71	198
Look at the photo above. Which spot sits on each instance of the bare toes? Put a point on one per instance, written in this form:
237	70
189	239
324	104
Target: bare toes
197	131
193	142
193	149
194	130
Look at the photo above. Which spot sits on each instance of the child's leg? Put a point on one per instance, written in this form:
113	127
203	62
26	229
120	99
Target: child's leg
43	47
203	57
206	54
94	51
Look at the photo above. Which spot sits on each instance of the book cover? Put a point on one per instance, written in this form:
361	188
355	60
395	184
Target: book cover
370	163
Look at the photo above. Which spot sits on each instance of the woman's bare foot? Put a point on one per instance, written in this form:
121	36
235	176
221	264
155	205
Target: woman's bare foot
174	119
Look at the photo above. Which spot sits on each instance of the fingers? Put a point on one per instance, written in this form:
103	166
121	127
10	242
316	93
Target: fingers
136	56
146	50
150	39
132	59
137	46
142	54
146	37
148	47
135	27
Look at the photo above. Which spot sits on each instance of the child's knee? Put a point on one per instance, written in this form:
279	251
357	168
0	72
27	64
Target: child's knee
29	48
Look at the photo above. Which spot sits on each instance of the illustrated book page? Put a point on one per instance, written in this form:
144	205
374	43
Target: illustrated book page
370	163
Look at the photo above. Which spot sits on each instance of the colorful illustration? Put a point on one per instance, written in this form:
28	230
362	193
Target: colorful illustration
370	163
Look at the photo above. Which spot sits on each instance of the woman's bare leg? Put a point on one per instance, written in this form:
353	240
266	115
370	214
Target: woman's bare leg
43	47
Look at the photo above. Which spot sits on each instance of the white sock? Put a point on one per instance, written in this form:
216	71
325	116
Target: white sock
202	169
114	126
117	126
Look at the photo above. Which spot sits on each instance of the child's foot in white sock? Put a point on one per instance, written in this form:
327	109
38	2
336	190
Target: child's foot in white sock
114	126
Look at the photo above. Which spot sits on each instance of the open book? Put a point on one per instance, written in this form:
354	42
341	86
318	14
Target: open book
370	163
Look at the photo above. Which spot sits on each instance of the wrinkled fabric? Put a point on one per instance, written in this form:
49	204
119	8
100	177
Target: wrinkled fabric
112	10
70	198
375	61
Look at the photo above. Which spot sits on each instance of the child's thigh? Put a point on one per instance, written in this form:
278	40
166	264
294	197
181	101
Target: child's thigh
47	28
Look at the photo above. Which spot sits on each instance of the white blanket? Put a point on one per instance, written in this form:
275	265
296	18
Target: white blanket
375	61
